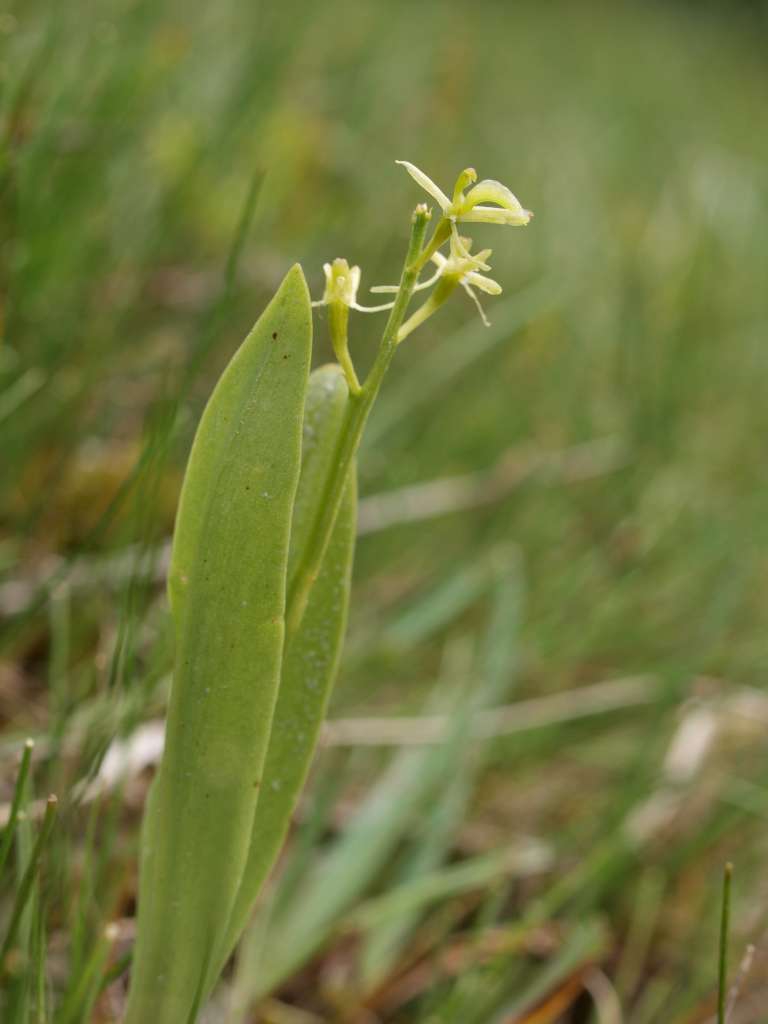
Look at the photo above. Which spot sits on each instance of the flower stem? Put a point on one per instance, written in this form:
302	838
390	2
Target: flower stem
339	320
358	410
440	235
445	287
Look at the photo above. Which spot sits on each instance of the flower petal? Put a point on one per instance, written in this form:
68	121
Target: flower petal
479	260
489	191
467	177
354	281
391	288
485	284
496	215
370	309
427	184
476	301
460	252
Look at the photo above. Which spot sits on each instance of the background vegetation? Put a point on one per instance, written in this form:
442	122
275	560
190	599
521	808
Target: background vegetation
601	514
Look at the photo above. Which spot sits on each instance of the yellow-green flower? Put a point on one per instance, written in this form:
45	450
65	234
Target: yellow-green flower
459	268
341	286
340	295
469	207
464	269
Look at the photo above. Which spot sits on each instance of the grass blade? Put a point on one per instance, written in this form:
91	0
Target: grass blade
725	925
25	886
18	794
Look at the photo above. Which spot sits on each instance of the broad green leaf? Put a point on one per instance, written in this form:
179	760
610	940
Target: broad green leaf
227	585
311	655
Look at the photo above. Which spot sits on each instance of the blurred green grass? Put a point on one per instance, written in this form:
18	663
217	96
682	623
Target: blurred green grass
161	165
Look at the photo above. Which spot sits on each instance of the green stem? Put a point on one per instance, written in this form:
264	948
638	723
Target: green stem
339	320
439	237
358	410
444	288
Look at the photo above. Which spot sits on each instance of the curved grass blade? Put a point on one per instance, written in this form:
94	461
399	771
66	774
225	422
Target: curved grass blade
18	793
227	588
311	654
24	889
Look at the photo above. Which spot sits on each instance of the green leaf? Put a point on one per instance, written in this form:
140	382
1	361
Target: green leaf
227	585
311	655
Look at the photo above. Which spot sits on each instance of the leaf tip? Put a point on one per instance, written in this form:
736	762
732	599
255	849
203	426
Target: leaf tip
295	277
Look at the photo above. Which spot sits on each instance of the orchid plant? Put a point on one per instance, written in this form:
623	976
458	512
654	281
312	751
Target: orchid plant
259	585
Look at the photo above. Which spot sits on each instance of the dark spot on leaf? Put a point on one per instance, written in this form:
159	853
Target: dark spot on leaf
274	335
